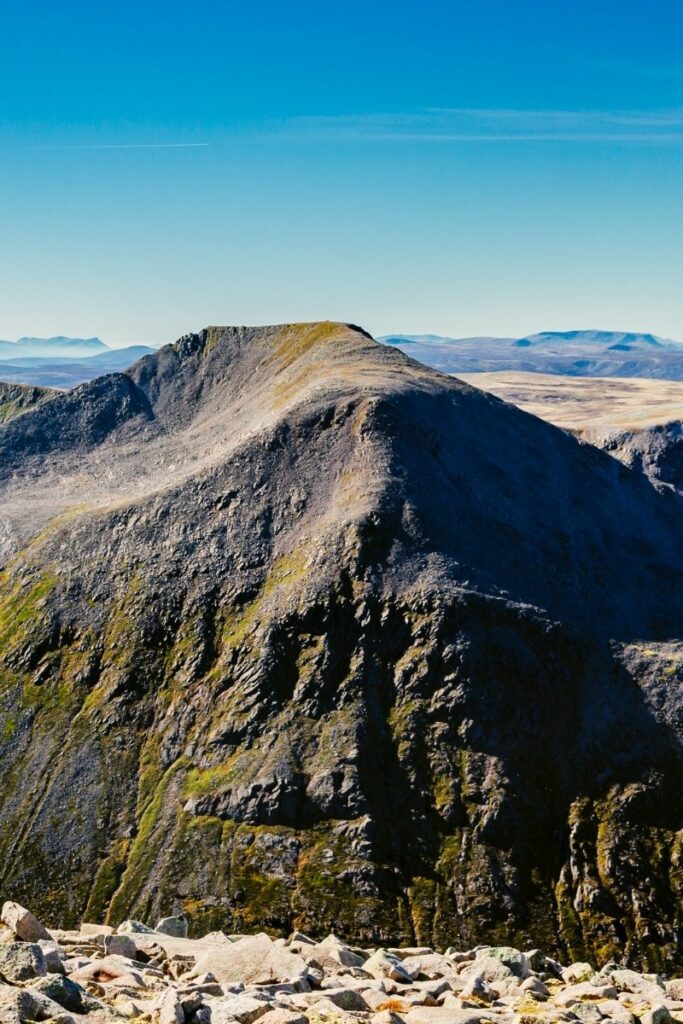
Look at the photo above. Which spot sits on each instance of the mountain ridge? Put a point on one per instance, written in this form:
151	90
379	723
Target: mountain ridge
287	618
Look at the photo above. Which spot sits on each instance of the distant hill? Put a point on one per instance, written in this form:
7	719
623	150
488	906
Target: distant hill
52	348
580	353
70	361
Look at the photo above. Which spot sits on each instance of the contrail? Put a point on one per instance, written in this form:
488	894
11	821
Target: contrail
129	145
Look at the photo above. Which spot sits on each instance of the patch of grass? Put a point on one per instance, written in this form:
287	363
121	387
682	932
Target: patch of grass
205	781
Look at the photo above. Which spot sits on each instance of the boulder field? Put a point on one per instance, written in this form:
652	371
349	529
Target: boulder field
99	974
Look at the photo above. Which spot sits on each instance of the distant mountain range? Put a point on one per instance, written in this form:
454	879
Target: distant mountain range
50	348
63	362
581	353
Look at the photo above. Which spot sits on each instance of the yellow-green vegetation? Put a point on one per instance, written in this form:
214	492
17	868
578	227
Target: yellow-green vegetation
422	896
240	623
107	881
403	720
145	846
205	781
8	410
21	605
326	897
121	639
298	339
16	399
213	336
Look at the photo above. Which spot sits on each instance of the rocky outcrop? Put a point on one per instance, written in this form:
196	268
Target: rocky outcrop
298	634
656	451
18	398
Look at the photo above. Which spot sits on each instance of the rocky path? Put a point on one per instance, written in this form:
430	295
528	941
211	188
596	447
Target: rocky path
159	975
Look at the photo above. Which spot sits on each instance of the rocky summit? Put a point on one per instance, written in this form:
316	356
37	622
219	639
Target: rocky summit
98	974
297	634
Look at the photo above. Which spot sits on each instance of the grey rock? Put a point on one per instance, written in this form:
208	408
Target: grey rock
54	956
66	992
385	965
587	1013
120	945
171	1009
516	961
479	989
17	1006
22	922
21	961
656	1015
255	959
176	926
241	1008
134	927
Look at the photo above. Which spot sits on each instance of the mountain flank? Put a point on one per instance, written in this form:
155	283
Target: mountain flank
638	421
299	633
18	398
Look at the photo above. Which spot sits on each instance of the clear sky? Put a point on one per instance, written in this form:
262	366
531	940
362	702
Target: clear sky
447	166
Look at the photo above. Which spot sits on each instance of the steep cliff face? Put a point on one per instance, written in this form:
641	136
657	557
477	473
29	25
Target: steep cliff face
656	451
295	632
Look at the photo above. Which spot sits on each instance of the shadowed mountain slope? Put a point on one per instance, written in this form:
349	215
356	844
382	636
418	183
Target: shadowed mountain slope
636	420
298	632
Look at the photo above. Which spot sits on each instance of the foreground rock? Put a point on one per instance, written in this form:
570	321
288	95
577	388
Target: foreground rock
242	979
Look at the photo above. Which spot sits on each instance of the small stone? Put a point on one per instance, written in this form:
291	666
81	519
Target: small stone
385	965
578	972
175	926
54	956
656	1015
427	965
279	1015
612	1009
344	998
446	1015
22	922
373	998
241	1008
340	952
513	959
134	926
536	987
170	1008
490	968
120	945
387	1017
96	929
479	990
584	991
587	1013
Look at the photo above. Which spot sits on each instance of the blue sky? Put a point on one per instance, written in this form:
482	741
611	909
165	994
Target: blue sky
488	167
